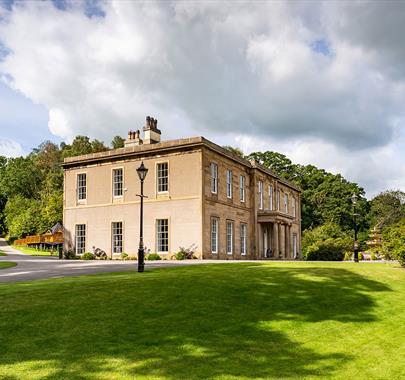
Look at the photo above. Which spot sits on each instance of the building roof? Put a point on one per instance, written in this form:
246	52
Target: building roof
167	146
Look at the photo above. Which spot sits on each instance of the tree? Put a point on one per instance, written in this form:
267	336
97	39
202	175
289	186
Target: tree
325	196
98	146
20	177
277	162
394	241
236	151
387	208
80	145
21	216
117	142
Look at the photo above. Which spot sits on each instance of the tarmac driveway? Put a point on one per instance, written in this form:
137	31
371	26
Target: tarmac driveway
40	267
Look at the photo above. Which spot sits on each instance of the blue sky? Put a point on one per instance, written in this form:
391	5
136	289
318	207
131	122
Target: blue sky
23	121
307	79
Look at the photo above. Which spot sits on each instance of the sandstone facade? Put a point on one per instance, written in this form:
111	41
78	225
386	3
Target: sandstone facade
256	217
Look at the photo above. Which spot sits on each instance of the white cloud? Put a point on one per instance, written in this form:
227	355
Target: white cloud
220	69
10	148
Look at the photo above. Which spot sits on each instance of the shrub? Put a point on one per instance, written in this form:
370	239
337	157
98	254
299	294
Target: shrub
348	256
124	256
153	256
88	256
401	255
186	253
69	255
328	250
374	256
180	255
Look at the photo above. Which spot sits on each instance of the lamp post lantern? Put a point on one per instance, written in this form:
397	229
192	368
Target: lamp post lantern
356	244
142	172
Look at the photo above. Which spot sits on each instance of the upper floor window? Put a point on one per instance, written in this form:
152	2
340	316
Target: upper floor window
117	182
162	177
243	239
294	207
162	235
80	238
229	237
116	237
81	186
271	197
229	183
214	178
260	195
214	235
286	203
278	200
242	188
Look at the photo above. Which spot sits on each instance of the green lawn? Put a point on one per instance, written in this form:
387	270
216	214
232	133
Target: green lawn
230	321
33	251
2	253
6	264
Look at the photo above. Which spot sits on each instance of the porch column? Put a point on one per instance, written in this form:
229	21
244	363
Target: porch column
288	242
280	252
275	240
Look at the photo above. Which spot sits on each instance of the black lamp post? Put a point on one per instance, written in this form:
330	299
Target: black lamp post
142	171
356	244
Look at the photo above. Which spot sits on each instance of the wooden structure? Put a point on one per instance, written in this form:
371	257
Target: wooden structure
52	239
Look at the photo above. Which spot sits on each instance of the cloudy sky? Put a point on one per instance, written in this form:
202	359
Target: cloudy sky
322	82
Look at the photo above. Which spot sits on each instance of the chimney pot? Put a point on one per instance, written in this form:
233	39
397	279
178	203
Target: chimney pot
148	121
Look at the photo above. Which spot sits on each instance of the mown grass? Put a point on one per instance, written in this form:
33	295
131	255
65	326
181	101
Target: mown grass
230	321
34	251
7	264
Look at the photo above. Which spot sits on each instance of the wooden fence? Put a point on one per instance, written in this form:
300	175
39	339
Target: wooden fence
47	239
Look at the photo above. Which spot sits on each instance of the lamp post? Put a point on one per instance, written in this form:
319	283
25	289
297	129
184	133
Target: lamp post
142	171
356	244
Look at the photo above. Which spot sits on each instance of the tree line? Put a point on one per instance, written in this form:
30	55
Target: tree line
31	187
328	213
31	198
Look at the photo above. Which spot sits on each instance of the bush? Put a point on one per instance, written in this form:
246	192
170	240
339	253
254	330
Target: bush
348	256
328	250
315	243
186	253
69	255
374	256
180	255
153	256
401	256
88	256
124	256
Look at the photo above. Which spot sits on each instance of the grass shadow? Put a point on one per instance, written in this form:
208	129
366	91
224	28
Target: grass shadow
214	321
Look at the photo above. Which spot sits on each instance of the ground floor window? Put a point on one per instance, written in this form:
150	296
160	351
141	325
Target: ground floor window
229	237
116	234
214	235
243	238
80	238
162	235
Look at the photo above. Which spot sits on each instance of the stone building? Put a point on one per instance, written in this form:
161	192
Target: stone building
199	194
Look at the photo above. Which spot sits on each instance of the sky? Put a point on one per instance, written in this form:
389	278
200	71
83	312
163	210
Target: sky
321	82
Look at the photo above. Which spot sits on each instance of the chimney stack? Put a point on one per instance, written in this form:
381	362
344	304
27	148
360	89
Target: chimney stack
152	133
133	139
